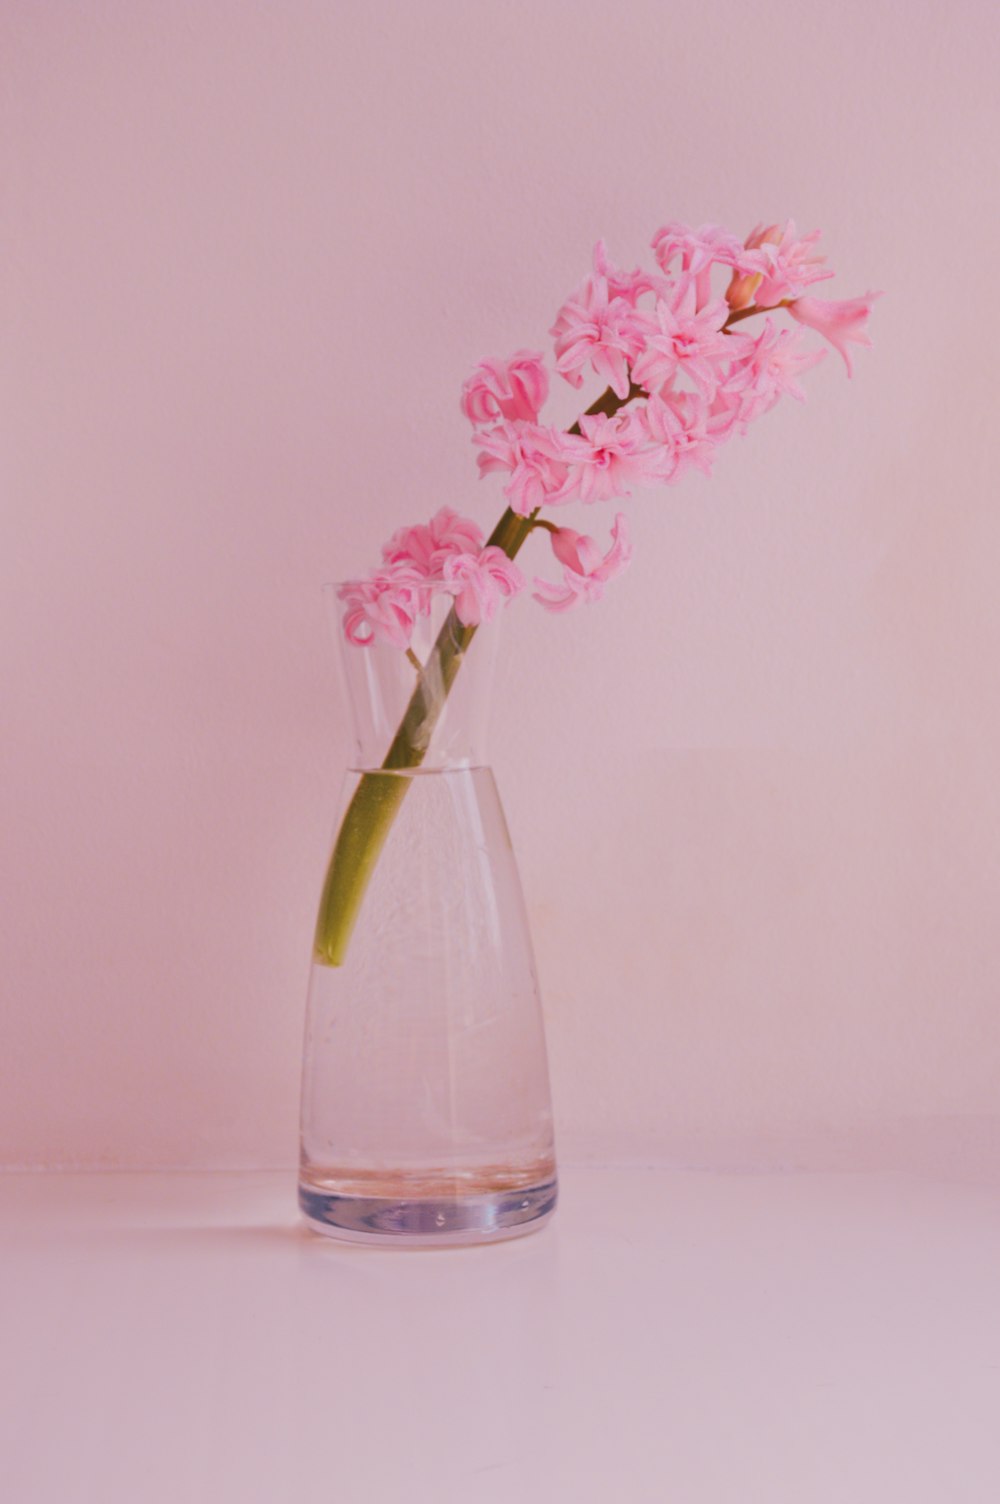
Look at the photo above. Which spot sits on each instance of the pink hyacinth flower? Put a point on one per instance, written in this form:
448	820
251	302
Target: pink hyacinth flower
605	458
425	546
532	457
514	389
683	432
842	321
480	582
621	284
788	262
384	605
596	328
698	249
769	370
680	336
586	570
721	418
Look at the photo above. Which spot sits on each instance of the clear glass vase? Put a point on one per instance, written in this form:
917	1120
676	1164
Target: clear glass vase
426	1114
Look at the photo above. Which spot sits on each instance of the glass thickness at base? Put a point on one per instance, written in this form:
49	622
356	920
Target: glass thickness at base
428	1221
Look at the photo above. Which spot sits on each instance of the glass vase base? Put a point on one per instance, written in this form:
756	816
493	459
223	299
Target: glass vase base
428	1221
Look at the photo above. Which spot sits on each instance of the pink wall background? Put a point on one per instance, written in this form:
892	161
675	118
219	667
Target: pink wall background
252	252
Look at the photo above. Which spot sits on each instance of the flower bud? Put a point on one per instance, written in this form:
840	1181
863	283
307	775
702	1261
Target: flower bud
576	550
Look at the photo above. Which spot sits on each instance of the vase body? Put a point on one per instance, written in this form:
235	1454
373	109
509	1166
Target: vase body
426	1114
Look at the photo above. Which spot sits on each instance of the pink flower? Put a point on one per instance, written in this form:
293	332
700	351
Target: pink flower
768	371
683	432
628	285
722	417
586	571
787	262
425	546
480	582
531	454
699	249
841	321
385	605
605	458
513	389
594	326
682	337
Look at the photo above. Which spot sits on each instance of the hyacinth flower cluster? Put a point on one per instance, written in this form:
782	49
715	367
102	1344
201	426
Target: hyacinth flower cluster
683	371
681	378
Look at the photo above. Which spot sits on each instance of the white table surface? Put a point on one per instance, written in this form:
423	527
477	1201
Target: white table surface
672	1337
